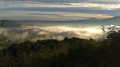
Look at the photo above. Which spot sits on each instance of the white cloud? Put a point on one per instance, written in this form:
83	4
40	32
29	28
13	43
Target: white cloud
51	32
85	5
34	33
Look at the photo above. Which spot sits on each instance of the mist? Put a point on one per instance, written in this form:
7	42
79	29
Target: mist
59	32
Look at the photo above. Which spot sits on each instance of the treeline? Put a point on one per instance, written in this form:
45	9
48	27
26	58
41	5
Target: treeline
70	52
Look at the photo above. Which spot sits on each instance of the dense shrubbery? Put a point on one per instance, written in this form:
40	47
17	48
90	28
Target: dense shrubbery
73	52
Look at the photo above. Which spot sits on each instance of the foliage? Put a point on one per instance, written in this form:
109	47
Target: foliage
73	52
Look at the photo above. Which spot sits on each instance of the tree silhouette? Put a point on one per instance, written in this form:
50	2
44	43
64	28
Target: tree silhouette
2	32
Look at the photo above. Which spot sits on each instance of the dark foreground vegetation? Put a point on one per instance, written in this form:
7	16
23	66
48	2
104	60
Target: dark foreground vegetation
73	52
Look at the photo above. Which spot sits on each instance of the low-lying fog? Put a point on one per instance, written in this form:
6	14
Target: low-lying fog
59	32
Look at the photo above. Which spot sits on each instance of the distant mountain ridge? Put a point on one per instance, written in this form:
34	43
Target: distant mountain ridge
10	23
90	21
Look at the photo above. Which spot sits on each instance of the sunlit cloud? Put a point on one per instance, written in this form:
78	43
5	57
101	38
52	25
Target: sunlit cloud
51	32
89	15
40	15
79	9
34	33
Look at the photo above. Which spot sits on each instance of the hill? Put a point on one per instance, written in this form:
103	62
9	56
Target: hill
73	52
90	21
10	23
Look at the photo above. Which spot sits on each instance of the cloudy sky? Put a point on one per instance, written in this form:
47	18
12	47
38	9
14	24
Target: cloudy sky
58	9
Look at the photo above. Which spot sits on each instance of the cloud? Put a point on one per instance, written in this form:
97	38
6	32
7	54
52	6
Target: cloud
68	1
40	4
50	32
51	15
88	15
59	32
95	6
41	14
106	7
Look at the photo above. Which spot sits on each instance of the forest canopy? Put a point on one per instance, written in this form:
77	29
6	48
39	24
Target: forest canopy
70	52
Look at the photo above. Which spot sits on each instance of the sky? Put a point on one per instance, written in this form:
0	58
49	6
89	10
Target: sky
58	9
